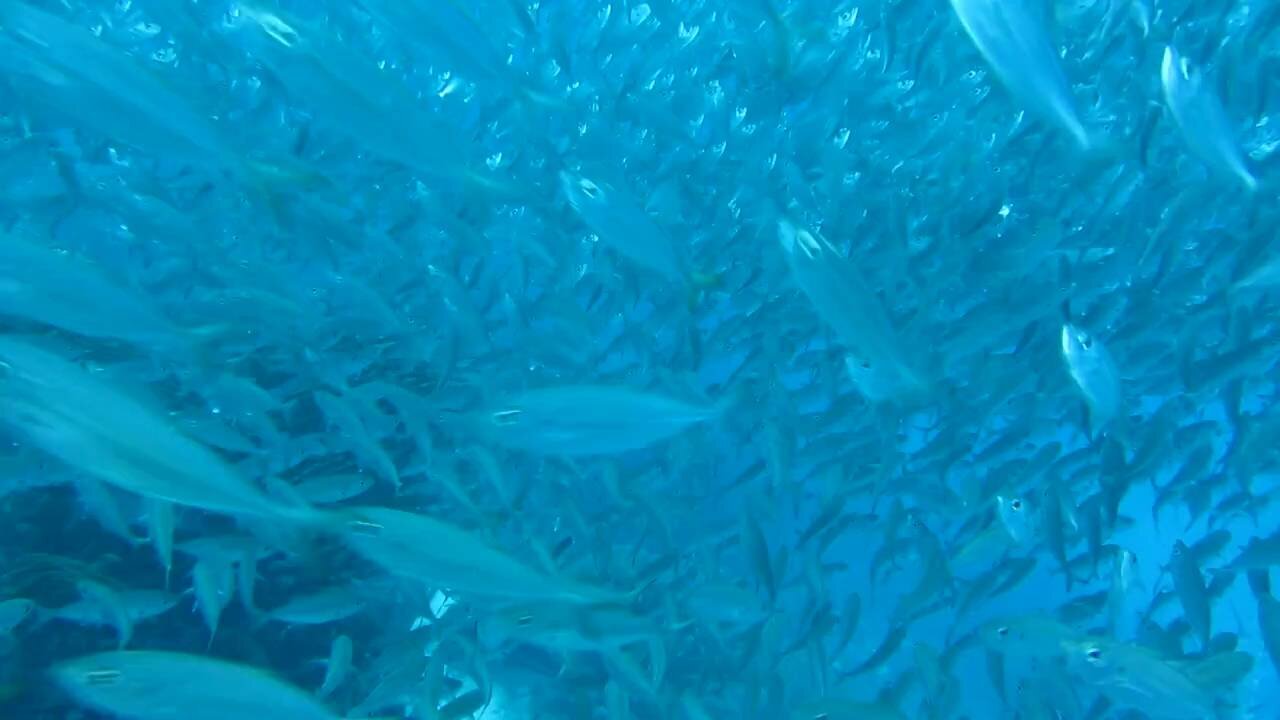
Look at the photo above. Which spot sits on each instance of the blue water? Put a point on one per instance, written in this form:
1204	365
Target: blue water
590	359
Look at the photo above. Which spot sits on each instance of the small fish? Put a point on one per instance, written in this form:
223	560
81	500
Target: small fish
1095	374
1189	585
320	608
584	420
1015	45
153	685
1120	595
329	489
618	220
338	667
1268	614
1015	518
1202	119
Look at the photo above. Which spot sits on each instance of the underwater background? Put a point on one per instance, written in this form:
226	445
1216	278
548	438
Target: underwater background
755	359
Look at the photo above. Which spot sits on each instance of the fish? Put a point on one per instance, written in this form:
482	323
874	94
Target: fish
97	427
1136	678
157	685
337	668
840	296
1017	47
330	489
1095	374
1189	585
322	607
427	550
586	420
1201	118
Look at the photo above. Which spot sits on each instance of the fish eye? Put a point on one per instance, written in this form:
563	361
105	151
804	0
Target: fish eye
1177	550
524	620
101	677
1016	504
1094	654
1002	631
971	74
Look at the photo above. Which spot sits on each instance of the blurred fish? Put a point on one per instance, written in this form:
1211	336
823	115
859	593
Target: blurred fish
153	685
1201	118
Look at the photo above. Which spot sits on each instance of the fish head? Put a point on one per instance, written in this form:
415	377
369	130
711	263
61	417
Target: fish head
1086	357
870	383
273	25
1015	516
796	240
1077	343
1177	76
1031	637
583	193
523	621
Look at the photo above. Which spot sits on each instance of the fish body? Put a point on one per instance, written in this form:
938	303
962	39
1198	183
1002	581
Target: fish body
1201	118
877	359
619	221
585	420
154	685
319	608
1095	375
1015	45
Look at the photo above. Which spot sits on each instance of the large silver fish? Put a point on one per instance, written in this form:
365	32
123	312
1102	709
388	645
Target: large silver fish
580	420
1017	47
1201	118
101	430
152	685
877	360
1095	374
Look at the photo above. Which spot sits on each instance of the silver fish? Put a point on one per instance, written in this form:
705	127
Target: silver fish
1095	374
152	685
1015	45
581	420
1201	118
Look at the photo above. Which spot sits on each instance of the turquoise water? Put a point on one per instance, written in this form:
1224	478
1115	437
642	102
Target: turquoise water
578	359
